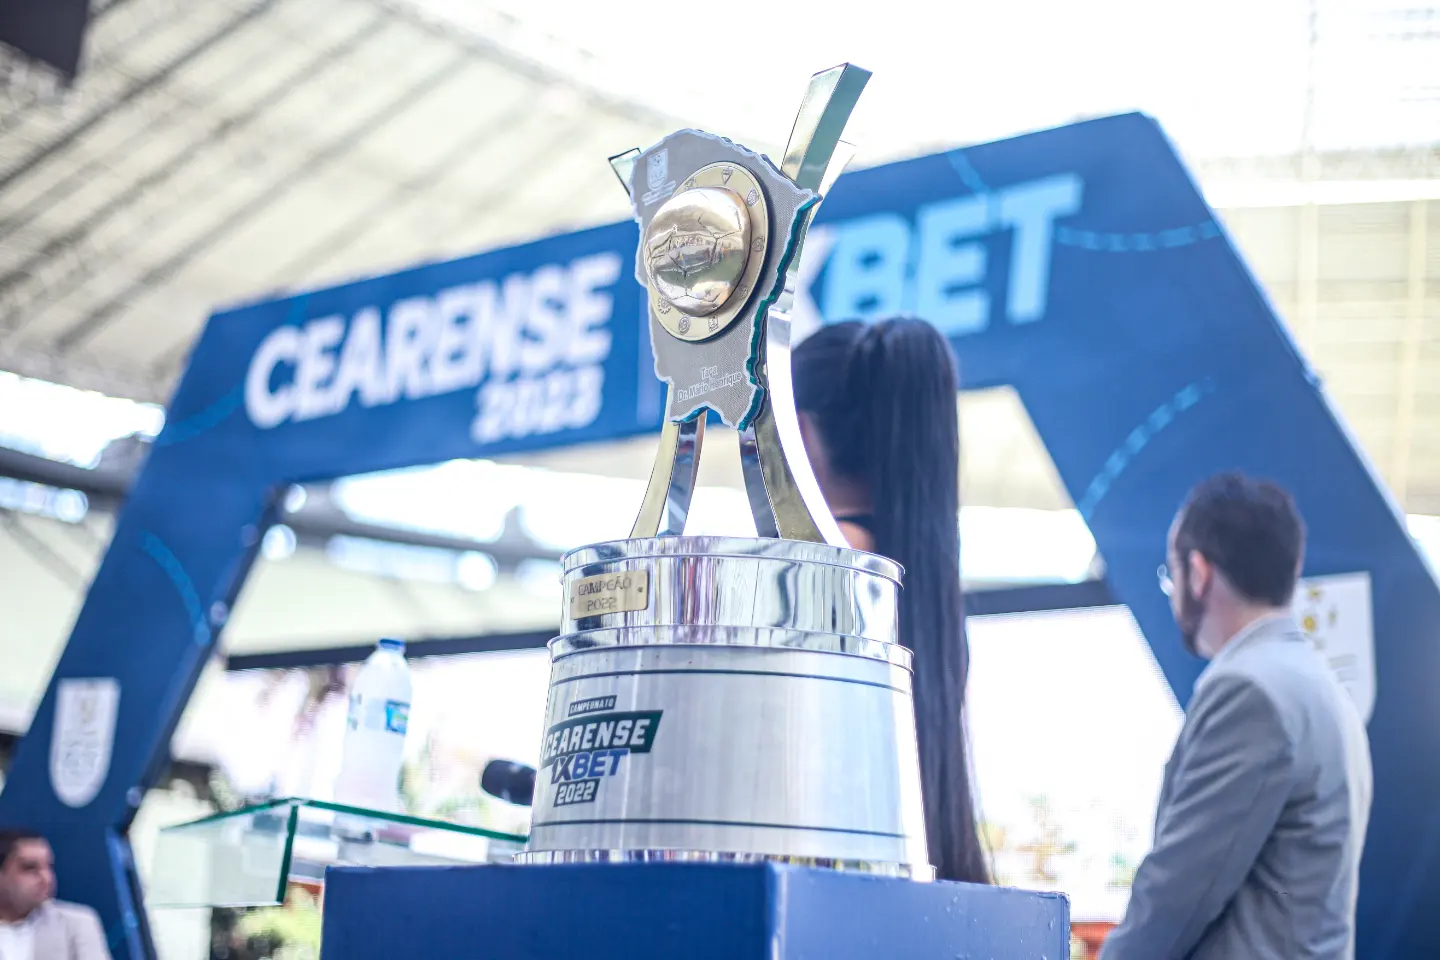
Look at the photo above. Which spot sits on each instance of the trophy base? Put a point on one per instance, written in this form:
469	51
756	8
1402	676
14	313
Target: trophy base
903	871
730	700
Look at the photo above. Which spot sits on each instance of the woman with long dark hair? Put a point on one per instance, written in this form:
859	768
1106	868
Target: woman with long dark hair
877	411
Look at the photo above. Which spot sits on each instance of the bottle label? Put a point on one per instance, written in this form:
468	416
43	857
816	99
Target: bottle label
389	716
397	716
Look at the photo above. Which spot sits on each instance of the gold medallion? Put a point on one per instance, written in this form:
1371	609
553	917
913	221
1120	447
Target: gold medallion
705	249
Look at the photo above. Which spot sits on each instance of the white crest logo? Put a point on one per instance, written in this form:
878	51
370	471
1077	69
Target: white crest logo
84	734
657	169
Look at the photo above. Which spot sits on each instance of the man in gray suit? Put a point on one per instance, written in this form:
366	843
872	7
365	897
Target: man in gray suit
1266	797
34	925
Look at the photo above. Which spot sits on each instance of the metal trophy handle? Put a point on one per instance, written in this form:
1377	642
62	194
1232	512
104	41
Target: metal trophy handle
719	258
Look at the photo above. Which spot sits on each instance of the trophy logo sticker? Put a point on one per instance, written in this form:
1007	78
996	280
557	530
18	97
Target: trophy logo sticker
657	177
585	750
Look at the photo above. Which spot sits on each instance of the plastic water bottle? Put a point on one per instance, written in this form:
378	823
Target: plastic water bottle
374	746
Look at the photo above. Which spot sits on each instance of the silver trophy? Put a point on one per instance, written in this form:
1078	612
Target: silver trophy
730	699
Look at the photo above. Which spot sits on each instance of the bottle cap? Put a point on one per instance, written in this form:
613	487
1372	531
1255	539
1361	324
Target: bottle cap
389	643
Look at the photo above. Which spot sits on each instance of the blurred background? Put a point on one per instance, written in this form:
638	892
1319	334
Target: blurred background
207	154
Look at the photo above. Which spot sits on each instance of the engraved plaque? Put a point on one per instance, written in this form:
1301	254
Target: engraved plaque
621	592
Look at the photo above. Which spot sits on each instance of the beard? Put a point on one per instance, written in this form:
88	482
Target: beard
1188	620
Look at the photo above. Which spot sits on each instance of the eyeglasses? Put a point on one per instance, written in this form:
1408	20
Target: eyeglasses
1162	574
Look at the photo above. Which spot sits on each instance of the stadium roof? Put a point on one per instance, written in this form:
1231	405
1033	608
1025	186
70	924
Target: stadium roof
211	152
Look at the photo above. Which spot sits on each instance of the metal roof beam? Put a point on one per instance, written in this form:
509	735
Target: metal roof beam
304	654
368	126
114	378
491	202
136	90
345	235
525	66
41	551
496	200
18	285
314	523
224	128
48	96
1408	384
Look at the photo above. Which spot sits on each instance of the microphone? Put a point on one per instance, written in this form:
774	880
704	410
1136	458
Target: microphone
509	781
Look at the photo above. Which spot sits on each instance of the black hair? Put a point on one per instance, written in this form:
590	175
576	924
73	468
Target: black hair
1250	530
10	839
883	398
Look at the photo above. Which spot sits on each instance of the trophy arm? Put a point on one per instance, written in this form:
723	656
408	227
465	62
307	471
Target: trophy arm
677	461
844	153
821	119
672	480
784	495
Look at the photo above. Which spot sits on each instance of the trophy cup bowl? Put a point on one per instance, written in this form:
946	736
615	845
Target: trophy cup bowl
730	699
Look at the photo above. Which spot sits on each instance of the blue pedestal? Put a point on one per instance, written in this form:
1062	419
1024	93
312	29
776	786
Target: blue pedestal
665	911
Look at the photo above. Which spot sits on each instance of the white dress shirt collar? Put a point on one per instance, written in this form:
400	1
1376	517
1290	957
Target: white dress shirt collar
17	940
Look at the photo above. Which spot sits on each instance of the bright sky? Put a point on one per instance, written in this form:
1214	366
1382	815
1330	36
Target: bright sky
62	423
1225	78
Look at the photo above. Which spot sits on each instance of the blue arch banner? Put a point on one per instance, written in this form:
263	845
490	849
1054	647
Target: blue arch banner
1078	265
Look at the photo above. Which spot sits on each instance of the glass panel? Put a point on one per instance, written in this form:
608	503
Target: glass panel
230	860
245	858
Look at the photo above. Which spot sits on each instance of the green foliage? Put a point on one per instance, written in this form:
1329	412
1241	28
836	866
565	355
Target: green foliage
294	927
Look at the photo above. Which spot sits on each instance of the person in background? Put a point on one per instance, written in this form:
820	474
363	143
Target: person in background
1266	797
34	925
878	415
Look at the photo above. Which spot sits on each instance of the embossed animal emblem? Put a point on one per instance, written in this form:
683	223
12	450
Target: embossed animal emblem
657	169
